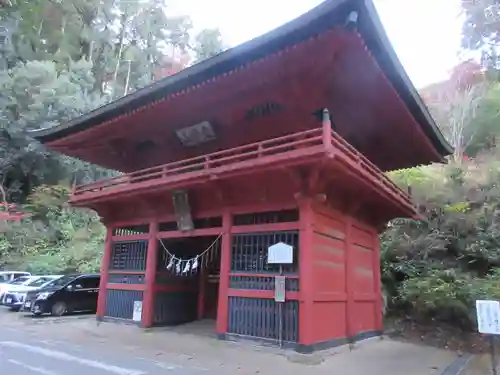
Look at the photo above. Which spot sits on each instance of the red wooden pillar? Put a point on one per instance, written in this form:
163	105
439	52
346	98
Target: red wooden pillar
306	282
150	276
225	266
106	260
349	280
377	282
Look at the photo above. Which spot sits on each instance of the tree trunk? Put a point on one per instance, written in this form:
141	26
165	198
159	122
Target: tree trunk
128	78
120	51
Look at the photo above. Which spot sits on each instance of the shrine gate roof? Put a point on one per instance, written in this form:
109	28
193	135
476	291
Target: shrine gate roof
320	21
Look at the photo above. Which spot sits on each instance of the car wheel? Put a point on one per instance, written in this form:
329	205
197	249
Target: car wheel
59	309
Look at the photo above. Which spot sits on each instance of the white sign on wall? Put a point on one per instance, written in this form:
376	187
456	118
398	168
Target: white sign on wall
280	253
488	317
137	314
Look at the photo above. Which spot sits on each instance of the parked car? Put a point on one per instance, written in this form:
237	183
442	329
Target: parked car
14	296
68	294
20	280
8	276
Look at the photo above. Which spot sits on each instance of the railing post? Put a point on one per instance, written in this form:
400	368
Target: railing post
260	149
327	130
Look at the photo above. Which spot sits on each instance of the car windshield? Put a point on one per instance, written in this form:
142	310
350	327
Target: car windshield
39	282
20	280
62	281
4	278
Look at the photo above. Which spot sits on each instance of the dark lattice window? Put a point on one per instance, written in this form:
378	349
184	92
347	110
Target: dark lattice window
249	252
129	255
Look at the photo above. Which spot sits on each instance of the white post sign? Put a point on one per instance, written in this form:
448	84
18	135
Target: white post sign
488	322
488	317
137	314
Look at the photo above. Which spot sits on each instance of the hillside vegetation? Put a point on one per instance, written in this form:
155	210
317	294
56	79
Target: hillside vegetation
435	269
59	60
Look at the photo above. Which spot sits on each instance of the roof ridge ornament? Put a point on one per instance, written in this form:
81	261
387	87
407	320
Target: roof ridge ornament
351	21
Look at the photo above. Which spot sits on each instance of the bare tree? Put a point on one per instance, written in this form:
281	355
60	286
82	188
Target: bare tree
455	111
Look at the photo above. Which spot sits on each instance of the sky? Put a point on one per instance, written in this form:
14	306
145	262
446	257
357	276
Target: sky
425	33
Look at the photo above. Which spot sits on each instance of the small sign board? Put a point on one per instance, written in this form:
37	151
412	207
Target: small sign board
196	134
137	314
488	317
280	253
279	288
182	210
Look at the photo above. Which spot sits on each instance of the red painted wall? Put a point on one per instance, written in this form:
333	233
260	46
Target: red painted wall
328	258
362	274
344	272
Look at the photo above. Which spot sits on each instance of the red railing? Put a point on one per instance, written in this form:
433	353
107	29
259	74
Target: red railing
353	157
211	162
216	162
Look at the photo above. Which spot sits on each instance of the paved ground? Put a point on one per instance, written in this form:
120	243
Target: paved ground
78	346
24	354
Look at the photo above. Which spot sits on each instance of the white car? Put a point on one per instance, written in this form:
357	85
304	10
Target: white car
17	281
14	297
22	280
8	276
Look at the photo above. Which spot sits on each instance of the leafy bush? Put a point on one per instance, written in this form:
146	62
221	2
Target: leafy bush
437	267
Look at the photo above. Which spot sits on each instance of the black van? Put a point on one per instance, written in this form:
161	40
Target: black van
70	293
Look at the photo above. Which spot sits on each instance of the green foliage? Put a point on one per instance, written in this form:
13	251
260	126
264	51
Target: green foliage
437	267
486	123
36	94
448	295
63	59
208	43
56	238
66	58
481	28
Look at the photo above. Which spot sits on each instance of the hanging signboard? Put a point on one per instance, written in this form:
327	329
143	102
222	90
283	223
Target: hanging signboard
137	314
182	210
280	253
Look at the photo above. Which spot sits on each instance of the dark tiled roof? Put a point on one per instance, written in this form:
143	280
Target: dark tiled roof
325	16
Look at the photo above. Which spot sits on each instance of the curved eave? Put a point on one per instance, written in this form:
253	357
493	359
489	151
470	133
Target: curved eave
386	57
325	16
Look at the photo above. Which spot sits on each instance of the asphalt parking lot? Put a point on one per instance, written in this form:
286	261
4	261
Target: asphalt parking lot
77	345
32	351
